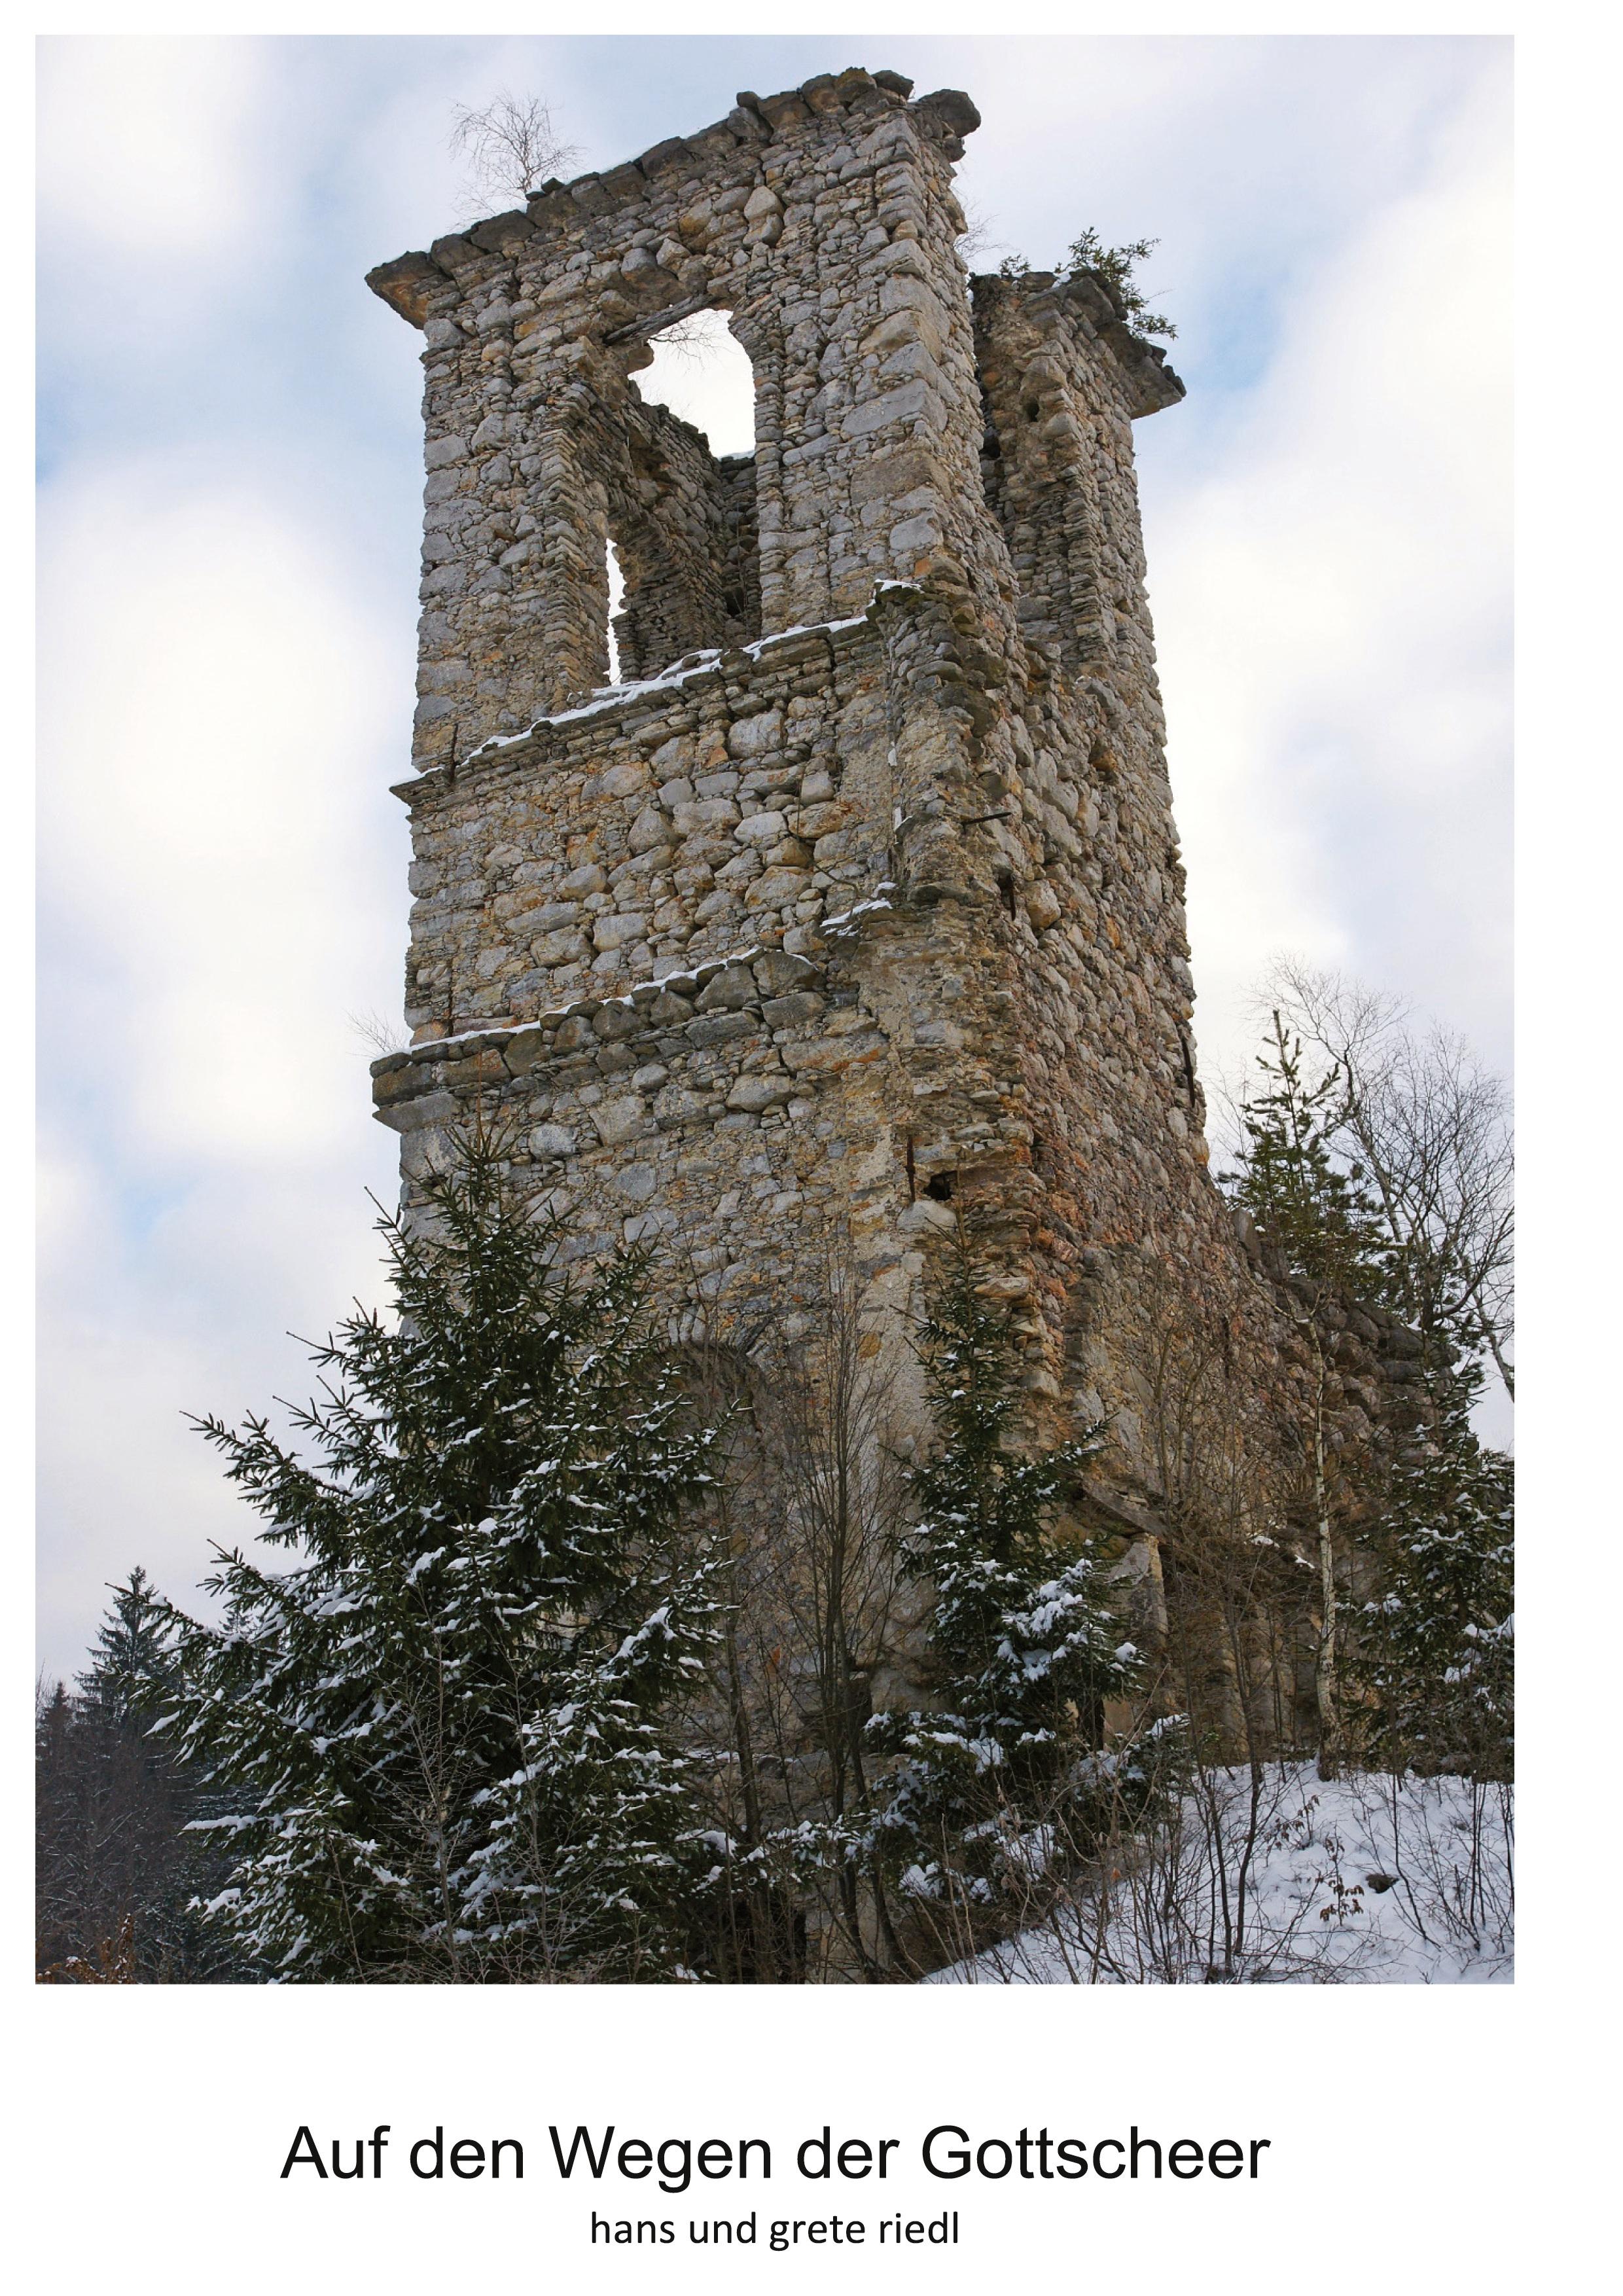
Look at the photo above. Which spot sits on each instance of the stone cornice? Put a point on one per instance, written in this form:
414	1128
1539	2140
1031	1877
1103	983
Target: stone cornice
408	283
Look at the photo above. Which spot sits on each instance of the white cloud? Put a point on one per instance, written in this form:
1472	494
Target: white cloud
1332	599
187	1311
220	889
214	696
149	141
1243	155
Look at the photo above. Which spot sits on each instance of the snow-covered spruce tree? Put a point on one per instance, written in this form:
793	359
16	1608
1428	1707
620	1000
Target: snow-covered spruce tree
131	1662
1436	1647
1309	1206
989	1793
449	1729
117	1868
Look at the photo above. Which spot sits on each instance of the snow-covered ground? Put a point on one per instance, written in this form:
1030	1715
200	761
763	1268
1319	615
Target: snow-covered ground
1287	1879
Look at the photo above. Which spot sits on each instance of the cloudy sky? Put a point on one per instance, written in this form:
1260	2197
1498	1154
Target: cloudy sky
230	486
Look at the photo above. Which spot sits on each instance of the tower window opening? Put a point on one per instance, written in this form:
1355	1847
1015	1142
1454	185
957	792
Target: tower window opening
617	599
701	372
680	481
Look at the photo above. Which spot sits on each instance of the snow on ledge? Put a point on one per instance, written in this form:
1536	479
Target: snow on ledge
610	698
683	982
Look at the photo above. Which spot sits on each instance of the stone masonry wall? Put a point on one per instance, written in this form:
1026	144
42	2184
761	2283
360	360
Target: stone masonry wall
816	220
746	795
859	908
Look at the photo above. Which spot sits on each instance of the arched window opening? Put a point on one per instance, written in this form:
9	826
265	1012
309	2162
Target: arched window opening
682	508
701	372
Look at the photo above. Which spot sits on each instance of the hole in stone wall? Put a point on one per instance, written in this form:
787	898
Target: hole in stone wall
1005	887
682	499
617	598
702	372
941	1189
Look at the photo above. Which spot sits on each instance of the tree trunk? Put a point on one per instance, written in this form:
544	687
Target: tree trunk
1325	1684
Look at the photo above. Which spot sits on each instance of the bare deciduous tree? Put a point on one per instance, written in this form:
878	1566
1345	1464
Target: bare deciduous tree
977	236
508	146
1431	1127
383	1036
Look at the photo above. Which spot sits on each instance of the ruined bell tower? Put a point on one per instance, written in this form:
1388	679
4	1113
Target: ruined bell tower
856	905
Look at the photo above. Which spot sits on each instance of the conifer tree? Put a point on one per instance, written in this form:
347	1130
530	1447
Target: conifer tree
1021	1641
131	1662
1436	1646
1308	1205
448	1728
1317	1216
117	1867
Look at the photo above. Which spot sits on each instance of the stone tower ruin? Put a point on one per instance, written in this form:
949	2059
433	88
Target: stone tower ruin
856	907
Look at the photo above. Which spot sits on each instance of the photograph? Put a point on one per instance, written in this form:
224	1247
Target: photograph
777	1214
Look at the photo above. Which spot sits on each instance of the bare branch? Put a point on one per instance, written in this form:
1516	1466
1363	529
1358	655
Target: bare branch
508	147
1430	1129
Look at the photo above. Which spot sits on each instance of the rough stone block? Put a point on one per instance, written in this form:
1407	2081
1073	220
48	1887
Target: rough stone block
752	1093
731	988
619	1120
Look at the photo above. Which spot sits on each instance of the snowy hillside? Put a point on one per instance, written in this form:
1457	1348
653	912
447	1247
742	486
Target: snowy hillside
1287	1879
